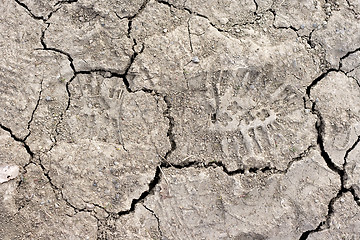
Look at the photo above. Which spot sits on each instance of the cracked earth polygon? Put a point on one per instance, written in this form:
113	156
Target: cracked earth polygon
162	119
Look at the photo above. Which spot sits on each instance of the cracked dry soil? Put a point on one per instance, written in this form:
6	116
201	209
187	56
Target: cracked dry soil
163	119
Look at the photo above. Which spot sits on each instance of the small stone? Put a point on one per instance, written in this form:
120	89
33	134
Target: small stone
302	26
223	21
8	172
165	30
89	206
195	60
237	30
48	98
107	74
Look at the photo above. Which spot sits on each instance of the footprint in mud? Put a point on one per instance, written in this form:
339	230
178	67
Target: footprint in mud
247	113
96	106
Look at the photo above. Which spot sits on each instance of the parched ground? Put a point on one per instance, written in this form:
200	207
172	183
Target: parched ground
152	119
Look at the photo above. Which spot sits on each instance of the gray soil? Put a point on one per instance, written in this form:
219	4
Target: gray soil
163	119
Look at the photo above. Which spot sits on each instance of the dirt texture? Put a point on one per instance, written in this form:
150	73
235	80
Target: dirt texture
163	119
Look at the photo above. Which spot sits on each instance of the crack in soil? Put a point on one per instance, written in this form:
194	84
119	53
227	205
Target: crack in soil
42	18
189	33
273	23
254	170
71	64
143	195
17	139
345	177
320	127
157	219
65	2
58	191
170	133
324	74
296	30
33	112
46	48
191	12
256	6
30	13
308	38
132	17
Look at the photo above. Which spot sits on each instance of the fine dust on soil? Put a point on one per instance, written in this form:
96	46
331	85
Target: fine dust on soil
162	119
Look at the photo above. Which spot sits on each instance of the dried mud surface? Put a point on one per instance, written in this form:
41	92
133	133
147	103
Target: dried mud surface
162	119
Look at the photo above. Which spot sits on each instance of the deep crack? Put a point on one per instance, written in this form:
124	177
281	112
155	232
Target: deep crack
320	127
255	170
150	189
256	6
324	224
30	12
170	133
